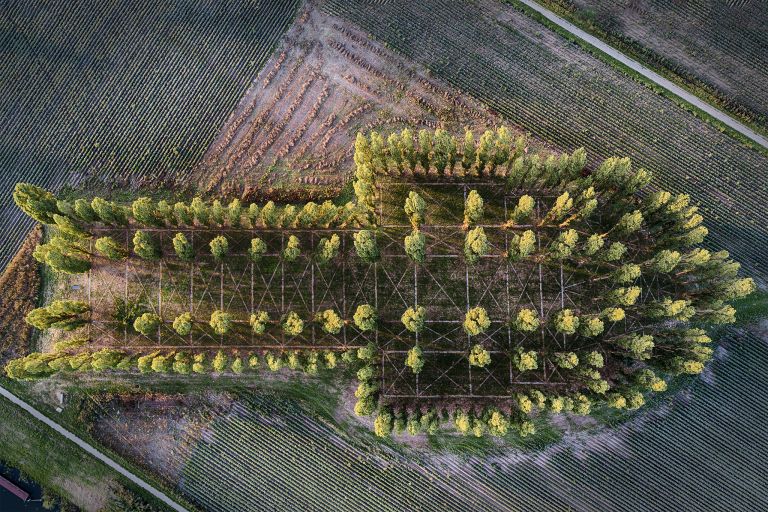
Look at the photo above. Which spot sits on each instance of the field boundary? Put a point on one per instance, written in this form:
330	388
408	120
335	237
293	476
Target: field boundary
91	450
708	110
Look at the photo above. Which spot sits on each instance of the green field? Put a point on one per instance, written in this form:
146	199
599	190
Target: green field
716	47
47	458
688	451
560	93
126	93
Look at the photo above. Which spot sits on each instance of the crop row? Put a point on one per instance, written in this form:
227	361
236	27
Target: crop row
562	94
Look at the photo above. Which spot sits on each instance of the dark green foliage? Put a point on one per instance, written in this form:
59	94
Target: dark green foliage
109	248
145	245
125	313
60	314
36	202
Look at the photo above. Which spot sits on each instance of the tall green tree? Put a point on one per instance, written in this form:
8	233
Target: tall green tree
145	245
468	155
36	202
234	213
200	211
219	247
60	314
83	210
473	209
144	211
425	150
257	249
328	248
365	245
415	246
109	212
70	227
110	249
414	209
183	247
182	214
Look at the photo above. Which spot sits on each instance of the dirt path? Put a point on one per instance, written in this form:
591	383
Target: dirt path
91	450
654	77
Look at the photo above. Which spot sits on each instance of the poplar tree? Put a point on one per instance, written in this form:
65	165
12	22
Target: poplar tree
414	209
145	246
475	245
292	249
110	249
328	248
144	211
60	314
473	209
257	249
221	322
365	245
415	246
183	247
413	318
219	247
36	202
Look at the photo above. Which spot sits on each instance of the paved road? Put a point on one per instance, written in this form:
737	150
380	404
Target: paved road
655	77
93	451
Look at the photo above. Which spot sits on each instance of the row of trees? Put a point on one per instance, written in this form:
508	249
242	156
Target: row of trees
493	153
69	315
38	365
75	216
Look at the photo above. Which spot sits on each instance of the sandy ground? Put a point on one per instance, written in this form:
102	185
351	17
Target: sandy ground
327	81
